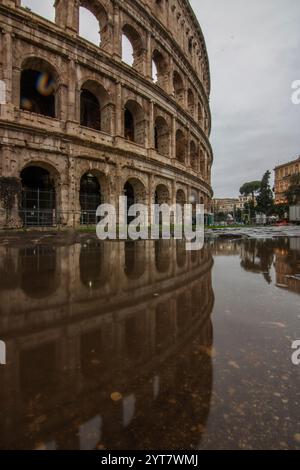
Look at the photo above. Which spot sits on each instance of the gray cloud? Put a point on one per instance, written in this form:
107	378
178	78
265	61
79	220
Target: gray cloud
254	57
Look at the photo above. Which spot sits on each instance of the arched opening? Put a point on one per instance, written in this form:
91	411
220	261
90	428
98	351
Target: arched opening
93	273
95	111
159	68
46	9
162	195
178	88
191	102
38	202
90	113
89	26
134	260
132	48
180	146
180	198
162	136
128	125
38	267
127	51
134	122
194	155
38	88
90	198
135	192
154	72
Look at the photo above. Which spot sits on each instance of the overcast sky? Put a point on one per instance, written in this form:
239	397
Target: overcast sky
254	52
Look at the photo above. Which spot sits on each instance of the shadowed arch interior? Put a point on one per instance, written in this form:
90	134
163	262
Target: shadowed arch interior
38	87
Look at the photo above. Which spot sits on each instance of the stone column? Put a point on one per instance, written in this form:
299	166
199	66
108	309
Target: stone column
188	153
72	109
173	138
7	105
149	57
119	111
67	15
151	126
171	81
117	46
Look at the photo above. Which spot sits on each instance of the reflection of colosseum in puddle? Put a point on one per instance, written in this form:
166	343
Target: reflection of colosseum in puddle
83	321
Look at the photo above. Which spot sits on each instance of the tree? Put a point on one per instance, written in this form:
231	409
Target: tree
293	193
251	187
265	201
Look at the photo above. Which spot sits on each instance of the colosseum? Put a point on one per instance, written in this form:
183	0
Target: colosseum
81	124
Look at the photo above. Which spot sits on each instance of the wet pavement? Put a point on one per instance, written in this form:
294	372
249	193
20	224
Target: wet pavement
146	346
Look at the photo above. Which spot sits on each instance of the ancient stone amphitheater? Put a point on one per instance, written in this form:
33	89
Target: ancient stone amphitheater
81	124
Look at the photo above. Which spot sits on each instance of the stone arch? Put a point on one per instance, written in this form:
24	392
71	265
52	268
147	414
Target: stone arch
39	84
89	26
191	102
41	194
99	11
134	260
138	49
181	198
180	146
95	107
162	194
134	122
159	65
162	136
194	155
135	190
178	88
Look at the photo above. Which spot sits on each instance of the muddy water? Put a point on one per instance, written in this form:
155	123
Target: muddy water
146	346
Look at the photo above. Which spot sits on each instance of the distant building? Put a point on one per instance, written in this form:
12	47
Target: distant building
283	175
245	200
226	205
230	205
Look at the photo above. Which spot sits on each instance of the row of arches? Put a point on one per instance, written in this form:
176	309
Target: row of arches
94	27
42	263
39	93
41	199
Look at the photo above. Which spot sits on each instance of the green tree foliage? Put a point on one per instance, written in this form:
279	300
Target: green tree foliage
250	188
293	194
265	201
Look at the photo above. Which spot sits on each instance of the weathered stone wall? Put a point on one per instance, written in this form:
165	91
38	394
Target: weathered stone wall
166	32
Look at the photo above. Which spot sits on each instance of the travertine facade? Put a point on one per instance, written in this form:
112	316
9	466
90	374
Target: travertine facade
89	123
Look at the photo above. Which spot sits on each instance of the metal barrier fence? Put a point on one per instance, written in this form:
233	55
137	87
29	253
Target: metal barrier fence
31	218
